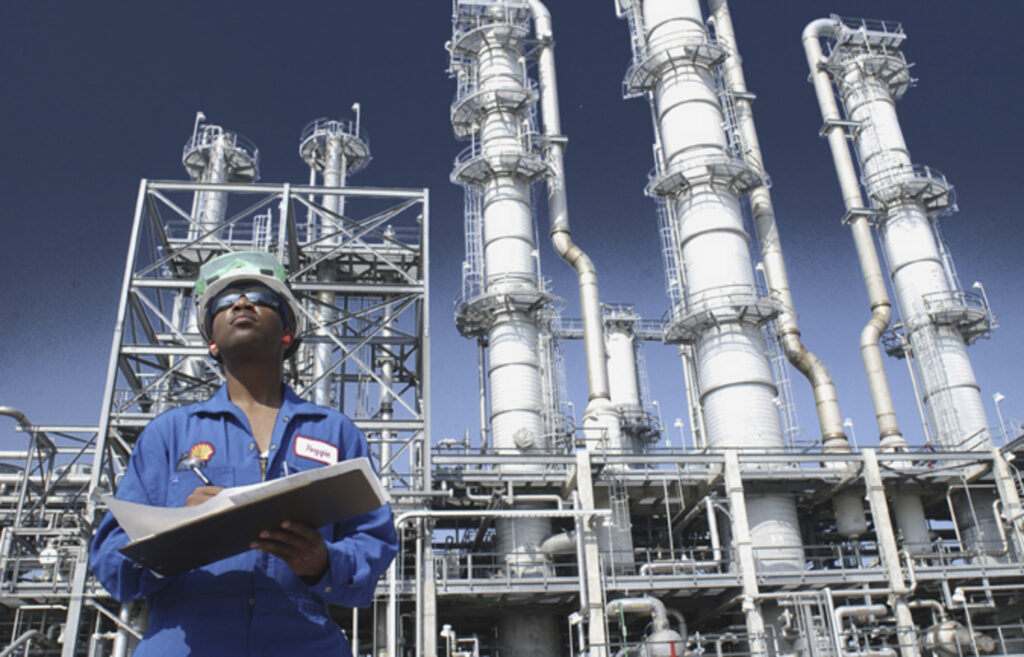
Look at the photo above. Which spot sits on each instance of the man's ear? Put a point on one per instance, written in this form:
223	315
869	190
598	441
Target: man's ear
287	338
213	349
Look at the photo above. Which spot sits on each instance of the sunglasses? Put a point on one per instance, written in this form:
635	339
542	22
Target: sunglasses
257	295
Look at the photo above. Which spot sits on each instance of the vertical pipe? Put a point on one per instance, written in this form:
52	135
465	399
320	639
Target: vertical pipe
889	433
333	178
599	411
869	80
826	402
485	442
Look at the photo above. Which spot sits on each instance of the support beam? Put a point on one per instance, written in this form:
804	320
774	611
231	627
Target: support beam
906	631
744	554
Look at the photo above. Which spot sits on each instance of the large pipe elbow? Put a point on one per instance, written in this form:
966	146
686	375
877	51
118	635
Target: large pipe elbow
646	605
541	19
567	249
826	398
818	28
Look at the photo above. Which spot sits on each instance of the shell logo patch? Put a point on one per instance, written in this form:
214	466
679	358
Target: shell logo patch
201	451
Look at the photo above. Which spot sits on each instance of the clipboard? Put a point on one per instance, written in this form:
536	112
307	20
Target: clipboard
190	537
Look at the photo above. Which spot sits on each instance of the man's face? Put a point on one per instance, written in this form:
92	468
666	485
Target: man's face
246	317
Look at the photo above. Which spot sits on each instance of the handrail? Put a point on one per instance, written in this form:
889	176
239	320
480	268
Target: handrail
334	126
211	133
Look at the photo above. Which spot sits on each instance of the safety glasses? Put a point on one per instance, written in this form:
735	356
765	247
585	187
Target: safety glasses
258	295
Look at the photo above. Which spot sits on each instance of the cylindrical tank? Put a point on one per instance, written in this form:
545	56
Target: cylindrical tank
736	390
911	522
492	108
949	389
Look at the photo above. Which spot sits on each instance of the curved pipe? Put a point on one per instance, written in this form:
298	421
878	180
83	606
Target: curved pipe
680	623
647	605
24	638
563	542
890	437
861	611
830	418
590	308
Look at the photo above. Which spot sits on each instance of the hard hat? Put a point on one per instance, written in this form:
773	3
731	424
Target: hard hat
259	266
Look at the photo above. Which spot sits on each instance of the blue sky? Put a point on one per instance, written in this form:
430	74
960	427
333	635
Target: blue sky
99	95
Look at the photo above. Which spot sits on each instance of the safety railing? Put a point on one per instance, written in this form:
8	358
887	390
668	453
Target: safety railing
327	126
209	135
911	182
528	144
652	55
720	168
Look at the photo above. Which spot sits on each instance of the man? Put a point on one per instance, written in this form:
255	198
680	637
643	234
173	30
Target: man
271	600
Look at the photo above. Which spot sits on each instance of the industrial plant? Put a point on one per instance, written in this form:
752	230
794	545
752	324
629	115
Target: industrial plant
551	531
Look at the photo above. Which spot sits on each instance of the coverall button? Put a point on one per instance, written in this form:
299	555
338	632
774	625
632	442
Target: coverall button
251	447
327	589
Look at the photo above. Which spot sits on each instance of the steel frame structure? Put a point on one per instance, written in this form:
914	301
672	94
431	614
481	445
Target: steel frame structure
380	297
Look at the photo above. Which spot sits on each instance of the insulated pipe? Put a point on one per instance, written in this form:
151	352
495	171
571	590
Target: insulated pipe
890	437
333	177
830	418
917	266
599	407
646	605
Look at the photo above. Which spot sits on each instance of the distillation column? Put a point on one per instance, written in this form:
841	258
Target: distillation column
939	319
493	108
627	379
212	155
722	312
335	150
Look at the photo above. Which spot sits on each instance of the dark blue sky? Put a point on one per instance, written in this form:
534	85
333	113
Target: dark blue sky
99	95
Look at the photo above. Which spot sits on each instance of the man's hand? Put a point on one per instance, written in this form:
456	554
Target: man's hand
201	494
298	545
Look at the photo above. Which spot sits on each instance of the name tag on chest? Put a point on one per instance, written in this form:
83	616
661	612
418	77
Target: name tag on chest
316	450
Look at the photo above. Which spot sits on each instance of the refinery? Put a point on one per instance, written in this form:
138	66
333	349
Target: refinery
599	529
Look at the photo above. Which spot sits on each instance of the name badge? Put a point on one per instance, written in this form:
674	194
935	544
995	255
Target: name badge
316	450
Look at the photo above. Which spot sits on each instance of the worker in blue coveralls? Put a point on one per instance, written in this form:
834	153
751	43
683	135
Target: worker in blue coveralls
272	599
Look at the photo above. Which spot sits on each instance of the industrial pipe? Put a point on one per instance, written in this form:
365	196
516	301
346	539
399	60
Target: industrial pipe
599	406
830	419
646	605
860	611
890	437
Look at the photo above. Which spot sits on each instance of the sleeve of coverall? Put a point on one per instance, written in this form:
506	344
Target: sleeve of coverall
363	547
145	481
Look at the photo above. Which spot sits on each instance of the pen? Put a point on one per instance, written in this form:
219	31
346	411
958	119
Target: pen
202	477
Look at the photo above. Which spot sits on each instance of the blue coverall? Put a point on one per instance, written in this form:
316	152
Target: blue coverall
252	603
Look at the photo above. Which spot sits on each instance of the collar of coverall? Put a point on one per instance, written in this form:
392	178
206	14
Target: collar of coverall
291	405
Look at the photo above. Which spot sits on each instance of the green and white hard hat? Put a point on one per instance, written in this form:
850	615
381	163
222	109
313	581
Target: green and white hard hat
224	271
